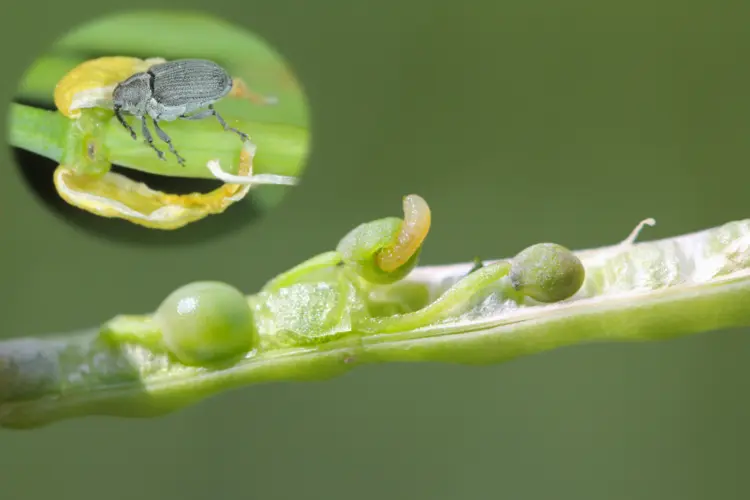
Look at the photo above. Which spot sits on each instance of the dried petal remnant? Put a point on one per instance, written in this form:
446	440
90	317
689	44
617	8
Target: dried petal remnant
114	195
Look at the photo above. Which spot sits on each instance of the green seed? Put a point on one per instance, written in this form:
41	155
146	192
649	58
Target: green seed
206	322
547	272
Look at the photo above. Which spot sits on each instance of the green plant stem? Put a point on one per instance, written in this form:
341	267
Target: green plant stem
38	130
281	149
632	292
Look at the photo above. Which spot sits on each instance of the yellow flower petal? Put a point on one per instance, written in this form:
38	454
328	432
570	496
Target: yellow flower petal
90	84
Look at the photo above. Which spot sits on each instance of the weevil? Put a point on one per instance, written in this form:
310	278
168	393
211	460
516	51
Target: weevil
169	91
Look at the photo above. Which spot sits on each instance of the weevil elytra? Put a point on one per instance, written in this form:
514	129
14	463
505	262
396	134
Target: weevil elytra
170	91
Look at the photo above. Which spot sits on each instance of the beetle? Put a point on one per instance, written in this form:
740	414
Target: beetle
169	91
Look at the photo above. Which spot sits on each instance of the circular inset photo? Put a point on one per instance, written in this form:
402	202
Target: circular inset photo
160	123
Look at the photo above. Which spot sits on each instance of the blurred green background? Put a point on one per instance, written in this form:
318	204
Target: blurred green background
518	122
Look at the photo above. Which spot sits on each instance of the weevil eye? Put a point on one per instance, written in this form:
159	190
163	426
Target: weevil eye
117	101
547	272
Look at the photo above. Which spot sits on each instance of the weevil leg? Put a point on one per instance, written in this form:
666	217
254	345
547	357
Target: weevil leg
150	140
164	137
198	116
212	112
125	124
224	124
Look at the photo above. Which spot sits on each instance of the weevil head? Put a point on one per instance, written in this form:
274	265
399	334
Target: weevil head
132	95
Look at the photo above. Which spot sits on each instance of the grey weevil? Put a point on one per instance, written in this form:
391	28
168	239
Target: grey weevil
169	91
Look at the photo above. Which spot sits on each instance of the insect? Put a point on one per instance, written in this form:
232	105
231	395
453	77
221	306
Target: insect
169	91
85	95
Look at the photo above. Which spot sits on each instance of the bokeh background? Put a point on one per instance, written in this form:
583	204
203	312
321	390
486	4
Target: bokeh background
519	122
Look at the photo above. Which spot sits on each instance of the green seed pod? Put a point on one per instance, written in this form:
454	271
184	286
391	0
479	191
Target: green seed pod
547	272
206	322
360	247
